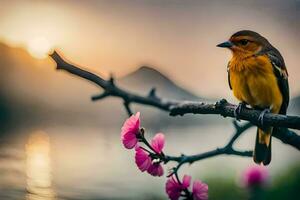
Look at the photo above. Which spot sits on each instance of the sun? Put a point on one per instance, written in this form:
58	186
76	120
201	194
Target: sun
39	47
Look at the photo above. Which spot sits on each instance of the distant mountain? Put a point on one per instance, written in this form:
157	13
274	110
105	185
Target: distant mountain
151	78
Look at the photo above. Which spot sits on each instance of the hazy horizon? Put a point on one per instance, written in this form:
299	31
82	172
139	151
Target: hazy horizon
177	38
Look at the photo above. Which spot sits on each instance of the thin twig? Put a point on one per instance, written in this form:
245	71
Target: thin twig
226	150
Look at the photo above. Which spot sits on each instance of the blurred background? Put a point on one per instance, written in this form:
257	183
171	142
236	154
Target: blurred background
56	144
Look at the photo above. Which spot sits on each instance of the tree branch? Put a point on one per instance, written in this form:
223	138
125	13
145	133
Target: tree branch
176	107
112	89
287	136
227	110
227	149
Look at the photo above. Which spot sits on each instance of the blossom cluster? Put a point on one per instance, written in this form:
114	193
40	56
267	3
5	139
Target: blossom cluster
176	189
149	157
146	159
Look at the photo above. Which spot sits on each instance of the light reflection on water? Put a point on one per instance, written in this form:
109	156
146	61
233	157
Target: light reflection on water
38	167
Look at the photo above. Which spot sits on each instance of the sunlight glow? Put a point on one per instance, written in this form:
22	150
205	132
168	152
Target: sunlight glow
38	167
39	47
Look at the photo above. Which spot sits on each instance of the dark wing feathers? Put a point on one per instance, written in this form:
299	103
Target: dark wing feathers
281	74
228	72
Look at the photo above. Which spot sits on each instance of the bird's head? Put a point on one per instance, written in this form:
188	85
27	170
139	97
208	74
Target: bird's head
245	43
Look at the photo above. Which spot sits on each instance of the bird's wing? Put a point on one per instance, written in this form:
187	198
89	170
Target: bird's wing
228	72
281	74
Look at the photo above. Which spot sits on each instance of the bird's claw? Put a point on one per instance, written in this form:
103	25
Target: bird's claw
262	115
221	102
238	109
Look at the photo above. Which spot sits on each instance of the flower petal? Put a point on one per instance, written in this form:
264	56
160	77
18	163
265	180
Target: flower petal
200	190
155	169
173	188
158	142
142	159
186	181
129	131
132	124
129	141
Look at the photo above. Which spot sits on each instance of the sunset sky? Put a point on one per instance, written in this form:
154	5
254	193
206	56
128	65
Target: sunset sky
177	37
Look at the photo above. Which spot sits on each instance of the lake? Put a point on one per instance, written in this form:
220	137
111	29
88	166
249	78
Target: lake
61	161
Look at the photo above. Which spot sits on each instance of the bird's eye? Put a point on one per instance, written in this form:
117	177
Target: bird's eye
244	42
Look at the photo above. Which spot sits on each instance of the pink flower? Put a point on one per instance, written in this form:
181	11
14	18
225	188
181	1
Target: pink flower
158	142
129	131
200	190
142	159
174	188
155	169
255	175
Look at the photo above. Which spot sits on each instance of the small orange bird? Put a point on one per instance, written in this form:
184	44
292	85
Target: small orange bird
258	77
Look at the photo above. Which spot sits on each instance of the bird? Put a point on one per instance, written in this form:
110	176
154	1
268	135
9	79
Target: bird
258	77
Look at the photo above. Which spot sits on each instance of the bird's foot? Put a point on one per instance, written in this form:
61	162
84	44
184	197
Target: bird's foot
238	109
262	115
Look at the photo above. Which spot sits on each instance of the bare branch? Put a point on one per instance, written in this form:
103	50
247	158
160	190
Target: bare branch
111	88
152	93
287	136
100	96
227	110
176	107
226	150
127	107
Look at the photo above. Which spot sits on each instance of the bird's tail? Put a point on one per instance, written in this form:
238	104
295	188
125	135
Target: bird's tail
262	150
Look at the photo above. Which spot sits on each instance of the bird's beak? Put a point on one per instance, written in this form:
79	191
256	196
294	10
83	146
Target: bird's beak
226	44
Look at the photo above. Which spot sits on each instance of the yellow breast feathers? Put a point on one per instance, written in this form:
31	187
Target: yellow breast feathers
254	82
